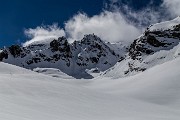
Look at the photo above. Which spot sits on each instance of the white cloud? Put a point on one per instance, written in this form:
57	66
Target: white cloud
141	18
109	26
113	1
119	23
43	34
173	6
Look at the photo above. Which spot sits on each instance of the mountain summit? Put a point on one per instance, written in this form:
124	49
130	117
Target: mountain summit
158	44
73	59
90	56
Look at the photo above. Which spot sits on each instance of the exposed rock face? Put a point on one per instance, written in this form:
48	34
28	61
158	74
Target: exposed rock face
72	59
15	50
93	51
3	55
153	41
159	43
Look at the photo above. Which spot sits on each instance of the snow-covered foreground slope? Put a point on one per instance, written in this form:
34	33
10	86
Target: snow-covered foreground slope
151	95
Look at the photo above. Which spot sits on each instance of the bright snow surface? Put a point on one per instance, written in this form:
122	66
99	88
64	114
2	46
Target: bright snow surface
151	95
165	25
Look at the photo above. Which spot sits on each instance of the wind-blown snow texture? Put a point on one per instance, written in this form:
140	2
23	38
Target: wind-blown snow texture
143	84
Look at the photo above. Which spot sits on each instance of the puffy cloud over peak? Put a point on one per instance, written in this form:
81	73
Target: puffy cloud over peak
43	34
118	23
109	26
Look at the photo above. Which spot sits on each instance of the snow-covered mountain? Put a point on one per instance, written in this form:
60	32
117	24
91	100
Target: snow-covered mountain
91	56
160	43
152	94
79	59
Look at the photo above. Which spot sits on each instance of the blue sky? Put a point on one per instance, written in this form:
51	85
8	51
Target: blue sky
18	15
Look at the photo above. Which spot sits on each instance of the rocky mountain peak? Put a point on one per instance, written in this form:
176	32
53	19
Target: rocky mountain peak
158	44
154	40
91	39
91	55
71	58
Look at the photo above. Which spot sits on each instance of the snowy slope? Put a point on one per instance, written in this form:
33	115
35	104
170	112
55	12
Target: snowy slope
151	95
160	43
165	25
145	63
52	72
